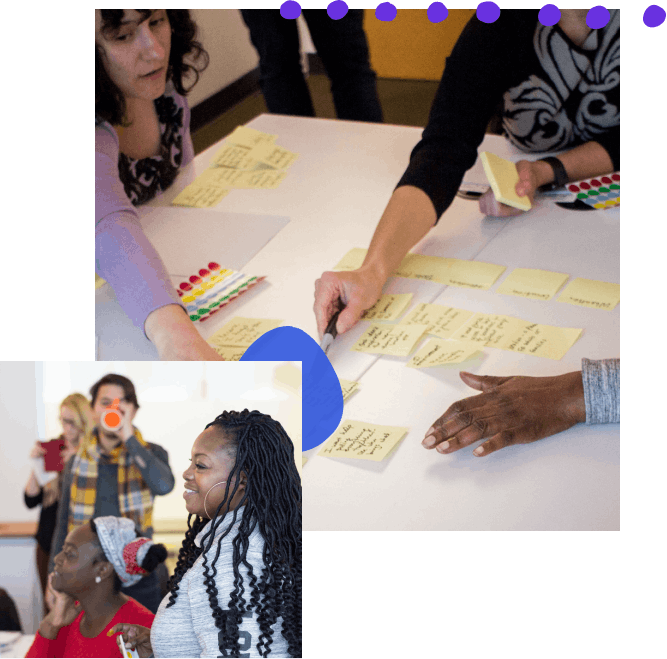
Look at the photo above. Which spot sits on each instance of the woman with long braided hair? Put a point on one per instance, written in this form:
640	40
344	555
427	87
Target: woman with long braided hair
236	591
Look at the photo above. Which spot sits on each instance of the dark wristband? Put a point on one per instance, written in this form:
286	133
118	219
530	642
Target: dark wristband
560	175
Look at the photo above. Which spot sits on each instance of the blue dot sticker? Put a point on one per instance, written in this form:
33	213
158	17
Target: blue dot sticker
597	17
437	12
290	9
385	12
549	15
488	12
654	16
337	10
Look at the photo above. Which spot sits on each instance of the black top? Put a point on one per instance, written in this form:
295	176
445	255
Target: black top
554	95
47	519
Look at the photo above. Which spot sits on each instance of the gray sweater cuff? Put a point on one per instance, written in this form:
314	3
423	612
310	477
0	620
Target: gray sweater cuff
602	390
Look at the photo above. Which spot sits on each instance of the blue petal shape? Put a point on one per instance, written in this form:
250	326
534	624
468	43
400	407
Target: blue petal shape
322	406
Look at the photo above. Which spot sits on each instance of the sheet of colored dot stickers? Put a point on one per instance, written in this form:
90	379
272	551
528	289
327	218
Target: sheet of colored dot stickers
212	288
599	193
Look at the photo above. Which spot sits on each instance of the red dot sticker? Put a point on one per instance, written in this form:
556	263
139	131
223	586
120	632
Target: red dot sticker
185	286
596	183
616	177
204	272
606	180
194	279
213	266
573	188
584	186
180	293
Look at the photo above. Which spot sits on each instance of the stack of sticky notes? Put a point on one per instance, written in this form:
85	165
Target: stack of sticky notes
248	159
211	289
503	177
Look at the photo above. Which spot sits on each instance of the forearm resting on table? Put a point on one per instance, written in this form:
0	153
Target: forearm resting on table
174	335
584	161
409	216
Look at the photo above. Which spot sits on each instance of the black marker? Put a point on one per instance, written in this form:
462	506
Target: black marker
330	333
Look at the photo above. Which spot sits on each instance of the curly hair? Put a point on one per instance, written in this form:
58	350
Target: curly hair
271	502
109	100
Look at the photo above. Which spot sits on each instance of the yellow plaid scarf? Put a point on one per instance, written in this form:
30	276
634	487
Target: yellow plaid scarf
134	496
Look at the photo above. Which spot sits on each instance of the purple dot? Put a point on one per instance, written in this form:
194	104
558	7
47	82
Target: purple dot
488	12
290	9
437	12
549	15
385	12
337	10
654	16
597	17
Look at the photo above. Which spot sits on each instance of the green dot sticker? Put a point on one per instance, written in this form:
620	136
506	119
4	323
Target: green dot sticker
593	193
613	186
604	189
582	195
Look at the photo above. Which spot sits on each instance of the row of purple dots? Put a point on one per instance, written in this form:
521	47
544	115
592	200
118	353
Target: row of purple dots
487	12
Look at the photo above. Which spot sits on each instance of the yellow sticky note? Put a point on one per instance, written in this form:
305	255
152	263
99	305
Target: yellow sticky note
363	441
228	353
397	340
348	387
592	293
241	332
352	260
234	156
200	196
472	274
273	155
542	341
249	137
442	321
421	266
389	307
99	282
489	329
533	284
503	177
439	352
265	179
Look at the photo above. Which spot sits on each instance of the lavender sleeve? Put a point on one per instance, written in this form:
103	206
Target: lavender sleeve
124	256
602	390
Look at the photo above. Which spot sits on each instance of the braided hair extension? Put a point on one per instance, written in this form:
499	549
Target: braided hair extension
272	502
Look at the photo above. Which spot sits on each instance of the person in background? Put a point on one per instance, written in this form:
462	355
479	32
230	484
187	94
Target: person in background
142	139
236	591
115	473
97	559
342	46
77	422
559	87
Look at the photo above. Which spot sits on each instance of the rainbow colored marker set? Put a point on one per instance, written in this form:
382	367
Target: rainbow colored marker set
211	289
601	192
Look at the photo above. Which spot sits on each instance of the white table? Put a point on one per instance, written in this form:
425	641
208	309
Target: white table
334	196
20	647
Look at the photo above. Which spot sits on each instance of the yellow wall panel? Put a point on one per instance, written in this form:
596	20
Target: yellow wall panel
410	46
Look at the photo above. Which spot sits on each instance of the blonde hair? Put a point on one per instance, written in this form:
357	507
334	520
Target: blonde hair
80	405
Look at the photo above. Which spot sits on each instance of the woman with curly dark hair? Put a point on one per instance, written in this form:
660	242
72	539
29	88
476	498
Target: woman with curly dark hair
142	139
236	591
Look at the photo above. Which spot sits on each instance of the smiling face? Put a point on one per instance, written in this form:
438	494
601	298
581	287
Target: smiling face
210	464
79	562
136	55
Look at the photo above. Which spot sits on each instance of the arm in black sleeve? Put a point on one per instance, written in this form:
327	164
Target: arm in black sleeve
153	463
483	64
31	502
611	143
60	531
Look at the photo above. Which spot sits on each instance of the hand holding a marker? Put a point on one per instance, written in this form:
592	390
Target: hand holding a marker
135	637
356	290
